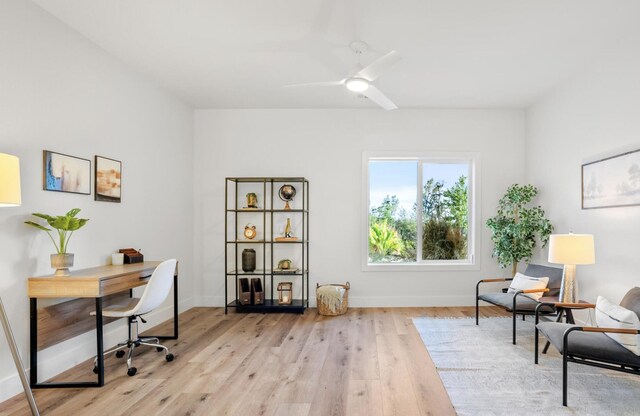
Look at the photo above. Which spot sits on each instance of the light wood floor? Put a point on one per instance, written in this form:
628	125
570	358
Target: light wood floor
368	362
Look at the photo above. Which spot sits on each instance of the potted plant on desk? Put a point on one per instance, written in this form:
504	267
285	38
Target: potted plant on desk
65	226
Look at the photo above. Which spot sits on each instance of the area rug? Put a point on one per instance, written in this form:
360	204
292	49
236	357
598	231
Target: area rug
485	374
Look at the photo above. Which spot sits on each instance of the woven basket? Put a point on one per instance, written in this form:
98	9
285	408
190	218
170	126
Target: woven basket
323	309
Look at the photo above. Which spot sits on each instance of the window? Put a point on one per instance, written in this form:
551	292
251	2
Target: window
420	210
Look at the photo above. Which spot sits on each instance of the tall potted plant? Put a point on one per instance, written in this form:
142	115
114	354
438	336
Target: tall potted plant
516	228
65	225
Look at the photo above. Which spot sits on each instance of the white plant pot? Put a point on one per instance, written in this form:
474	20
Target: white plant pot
62	262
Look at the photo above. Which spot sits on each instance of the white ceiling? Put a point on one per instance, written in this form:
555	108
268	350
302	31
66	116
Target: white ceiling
456	53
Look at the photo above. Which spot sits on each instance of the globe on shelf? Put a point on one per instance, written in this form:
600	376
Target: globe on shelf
286	193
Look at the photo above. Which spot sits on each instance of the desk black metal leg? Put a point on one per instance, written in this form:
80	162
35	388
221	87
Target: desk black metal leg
33	343
33	347
175	314
175	306
99	342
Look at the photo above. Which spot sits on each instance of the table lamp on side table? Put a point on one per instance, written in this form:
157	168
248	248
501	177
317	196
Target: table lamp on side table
10	197
571	250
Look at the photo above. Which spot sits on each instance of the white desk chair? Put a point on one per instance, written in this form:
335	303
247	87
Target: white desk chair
154	294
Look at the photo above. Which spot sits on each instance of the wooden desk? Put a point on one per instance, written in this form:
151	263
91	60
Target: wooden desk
96	282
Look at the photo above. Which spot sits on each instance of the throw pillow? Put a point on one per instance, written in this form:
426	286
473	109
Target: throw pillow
523	282
610	315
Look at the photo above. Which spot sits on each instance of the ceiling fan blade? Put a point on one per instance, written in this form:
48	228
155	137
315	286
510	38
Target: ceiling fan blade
316	84
375	69
379	98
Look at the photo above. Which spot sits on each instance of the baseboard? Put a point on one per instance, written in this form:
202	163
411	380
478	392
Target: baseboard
65	355
407	301
209	301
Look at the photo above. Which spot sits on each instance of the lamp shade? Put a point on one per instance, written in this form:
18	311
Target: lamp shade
9	181
571	249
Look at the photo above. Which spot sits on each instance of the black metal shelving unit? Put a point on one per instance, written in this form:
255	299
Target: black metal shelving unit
271	212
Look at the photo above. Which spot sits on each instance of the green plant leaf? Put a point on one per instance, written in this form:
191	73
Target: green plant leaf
64	224
38	226
46	217
73	212
61	223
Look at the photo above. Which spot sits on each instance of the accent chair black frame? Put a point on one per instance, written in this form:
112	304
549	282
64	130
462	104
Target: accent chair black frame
516	303
590	345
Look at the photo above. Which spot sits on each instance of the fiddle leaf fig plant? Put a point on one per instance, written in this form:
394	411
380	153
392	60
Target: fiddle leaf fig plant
516	228
65	225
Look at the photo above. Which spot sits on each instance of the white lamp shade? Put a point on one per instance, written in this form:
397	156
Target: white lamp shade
9	181
571	249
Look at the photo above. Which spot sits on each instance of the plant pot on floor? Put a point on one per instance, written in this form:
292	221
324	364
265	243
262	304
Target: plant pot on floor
62	262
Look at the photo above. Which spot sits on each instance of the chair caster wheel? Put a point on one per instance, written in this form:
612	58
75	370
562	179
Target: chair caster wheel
95	370
119	354
132	371
159	349
169	357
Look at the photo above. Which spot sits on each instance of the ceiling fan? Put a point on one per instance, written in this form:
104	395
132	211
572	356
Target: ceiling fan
360	79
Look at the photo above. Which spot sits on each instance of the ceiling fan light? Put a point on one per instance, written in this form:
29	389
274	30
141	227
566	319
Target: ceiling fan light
357	84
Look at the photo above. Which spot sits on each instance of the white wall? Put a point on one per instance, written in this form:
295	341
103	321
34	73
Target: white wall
326	147
60	92
593	116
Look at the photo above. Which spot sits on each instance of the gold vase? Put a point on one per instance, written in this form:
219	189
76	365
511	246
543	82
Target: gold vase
287	229
252	200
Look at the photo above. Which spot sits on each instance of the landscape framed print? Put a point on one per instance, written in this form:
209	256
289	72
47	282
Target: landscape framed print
612	182
108	179
64	173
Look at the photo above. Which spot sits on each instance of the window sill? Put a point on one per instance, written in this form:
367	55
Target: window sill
420	267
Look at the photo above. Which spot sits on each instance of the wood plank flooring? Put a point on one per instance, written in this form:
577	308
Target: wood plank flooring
368	362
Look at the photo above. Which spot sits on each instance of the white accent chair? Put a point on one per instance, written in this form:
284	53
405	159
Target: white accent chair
154	294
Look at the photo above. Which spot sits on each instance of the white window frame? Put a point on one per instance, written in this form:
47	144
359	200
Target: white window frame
473	183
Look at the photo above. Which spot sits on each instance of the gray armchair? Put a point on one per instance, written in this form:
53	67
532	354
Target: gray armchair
590	345
516	303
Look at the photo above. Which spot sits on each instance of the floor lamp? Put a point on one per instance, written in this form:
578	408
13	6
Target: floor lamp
10	197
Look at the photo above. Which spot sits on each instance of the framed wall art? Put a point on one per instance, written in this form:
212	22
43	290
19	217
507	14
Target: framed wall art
64	173
108	179
612	182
